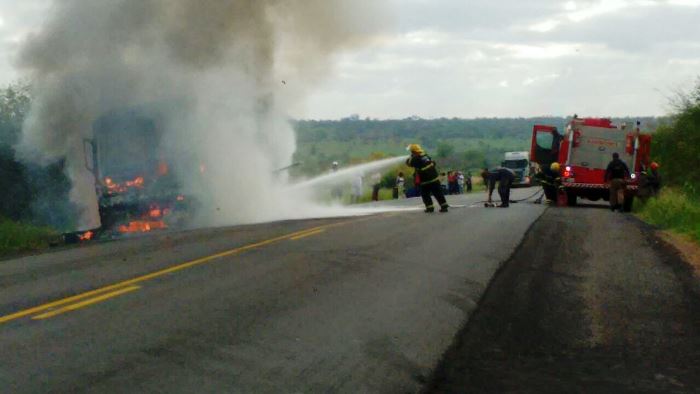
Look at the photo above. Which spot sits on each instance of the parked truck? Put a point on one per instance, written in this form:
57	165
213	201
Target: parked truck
584	150
519	162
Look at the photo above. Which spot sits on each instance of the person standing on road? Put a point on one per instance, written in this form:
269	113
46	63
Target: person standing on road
468	182
428	178
399	185
504	177
460	182
616	175
452	182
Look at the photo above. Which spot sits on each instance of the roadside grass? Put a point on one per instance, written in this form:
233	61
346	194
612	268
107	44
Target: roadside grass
673	210
16	237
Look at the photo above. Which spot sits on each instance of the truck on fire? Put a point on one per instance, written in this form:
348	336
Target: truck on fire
583	151
519	162
135	185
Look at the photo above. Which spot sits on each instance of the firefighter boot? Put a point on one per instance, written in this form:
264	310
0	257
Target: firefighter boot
429	209
444	207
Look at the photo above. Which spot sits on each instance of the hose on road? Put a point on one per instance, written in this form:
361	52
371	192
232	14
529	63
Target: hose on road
539	193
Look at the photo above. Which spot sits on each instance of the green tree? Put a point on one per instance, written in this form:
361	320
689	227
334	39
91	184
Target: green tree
445	149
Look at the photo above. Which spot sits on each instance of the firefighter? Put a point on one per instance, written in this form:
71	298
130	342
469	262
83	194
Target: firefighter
427	177
549	178
504	177
616	175
649	182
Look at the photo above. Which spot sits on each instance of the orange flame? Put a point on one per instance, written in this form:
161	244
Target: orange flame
142	226
86	236
155	212
114	187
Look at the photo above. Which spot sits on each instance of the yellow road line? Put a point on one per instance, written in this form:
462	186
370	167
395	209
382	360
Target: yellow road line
156	274
85	303
308	234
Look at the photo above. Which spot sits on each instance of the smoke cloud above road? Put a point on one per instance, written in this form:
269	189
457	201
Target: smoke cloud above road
222	74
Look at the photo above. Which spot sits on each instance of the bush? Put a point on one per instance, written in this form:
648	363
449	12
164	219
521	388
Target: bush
673	210
16	237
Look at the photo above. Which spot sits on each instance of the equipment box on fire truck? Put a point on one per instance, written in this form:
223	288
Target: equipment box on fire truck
584	151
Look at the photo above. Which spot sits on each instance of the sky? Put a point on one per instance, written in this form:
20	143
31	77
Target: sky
487	58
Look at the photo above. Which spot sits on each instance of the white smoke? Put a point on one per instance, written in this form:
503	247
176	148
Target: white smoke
217	64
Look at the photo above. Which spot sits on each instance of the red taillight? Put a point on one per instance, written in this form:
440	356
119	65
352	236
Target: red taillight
567	174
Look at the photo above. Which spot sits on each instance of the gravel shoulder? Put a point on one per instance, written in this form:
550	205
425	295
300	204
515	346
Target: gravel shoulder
590	302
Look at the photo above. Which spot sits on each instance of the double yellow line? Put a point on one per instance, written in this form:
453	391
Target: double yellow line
82	300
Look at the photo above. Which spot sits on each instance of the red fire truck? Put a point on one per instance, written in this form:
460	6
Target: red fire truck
584	151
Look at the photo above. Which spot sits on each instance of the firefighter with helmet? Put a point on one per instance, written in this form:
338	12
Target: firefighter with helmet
649	181
427	177
550	179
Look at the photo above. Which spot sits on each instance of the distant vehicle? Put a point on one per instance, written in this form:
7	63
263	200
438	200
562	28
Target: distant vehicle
584	151
519	162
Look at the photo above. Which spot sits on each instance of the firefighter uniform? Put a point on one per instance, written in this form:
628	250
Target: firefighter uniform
649	182
428	178
505	178
615	174
550	179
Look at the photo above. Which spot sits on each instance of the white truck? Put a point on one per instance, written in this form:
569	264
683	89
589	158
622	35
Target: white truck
519	162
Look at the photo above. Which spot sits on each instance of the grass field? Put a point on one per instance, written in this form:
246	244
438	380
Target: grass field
16	237
673	210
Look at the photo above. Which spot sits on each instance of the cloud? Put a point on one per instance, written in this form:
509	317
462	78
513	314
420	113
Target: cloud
450	57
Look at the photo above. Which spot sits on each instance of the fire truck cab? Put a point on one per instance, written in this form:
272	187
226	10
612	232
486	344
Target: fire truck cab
584	150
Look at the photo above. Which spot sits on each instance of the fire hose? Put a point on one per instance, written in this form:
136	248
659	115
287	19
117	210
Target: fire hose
487	204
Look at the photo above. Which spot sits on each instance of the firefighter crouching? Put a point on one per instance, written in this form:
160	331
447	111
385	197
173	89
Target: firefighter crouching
504	177
616	176
550	179
428	178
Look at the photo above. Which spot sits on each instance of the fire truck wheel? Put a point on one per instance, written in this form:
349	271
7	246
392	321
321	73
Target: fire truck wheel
571	199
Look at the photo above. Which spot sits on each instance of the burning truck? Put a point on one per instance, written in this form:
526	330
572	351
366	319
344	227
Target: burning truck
136	188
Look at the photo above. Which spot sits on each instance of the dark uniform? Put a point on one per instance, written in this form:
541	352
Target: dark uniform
616	173
504	177
649	183
428	180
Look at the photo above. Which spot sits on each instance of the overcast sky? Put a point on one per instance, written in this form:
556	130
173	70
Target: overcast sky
483	58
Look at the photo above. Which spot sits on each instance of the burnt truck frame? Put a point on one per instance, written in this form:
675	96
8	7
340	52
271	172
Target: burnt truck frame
136	189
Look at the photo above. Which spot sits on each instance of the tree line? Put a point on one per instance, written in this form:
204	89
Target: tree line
31	193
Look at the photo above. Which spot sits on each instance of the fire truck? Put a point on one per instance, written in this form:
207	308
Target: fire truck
584	150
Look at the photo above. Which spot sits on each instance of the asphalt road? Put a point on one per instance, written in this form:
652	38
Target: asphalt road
359	304
592	302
